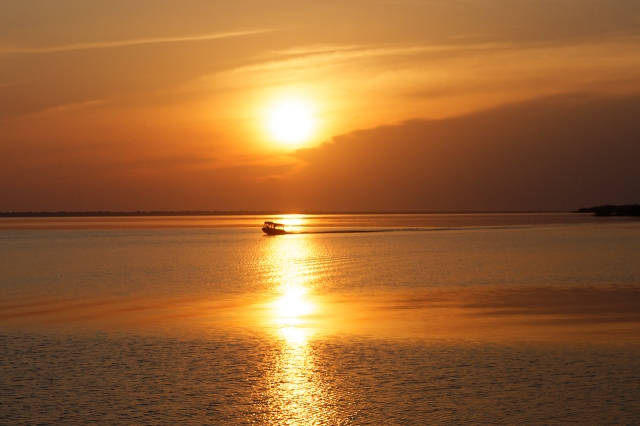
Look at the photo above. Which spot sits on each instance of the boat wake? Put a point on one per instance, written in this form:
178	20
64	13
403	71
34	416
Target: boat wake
362	231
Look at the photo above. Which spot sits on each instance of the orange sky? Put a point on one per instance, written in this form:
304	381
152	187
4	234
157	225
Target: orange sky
428	105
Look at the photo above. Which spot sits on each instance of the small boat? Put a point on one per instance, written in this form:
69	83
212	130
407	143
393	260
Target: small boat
273	228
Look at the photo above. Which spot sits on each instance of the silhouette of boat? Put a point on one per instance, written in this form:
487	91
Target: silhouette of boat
273	228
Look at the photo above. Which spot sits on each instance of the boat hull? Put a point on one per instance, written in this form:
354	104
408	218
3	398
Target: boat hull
271	231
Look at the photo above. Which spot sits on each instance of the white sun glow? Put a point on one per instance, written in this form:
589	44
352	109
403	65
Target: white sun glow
292	305
291	121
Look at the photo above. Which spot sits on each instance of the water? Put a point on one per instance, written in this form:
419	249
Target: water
483	318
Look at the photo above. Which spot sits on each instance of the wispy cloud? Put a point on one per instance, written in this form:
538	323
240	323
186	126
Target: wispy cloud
74	106
130	42
313	56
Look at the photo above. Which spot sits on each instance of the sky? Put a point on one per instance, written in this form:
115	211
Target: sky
432	105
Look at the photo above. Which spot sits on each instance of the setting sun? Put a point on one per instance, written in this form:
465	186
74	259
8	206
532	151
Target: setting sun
291	121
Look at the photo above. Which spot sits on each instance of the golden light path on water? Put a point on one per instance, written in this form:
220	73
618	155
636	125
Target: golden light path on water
294	223
296	392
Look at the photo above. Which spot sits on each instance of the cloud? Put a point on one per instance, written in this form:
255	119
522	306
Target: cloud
314	56
561	152
130	42
75	106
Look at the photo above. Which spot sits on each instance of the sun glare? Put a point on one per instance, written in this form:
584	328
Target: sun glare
291	121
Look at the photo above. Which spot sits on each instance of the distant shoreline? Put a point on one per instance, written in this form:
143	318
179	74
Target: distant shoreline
140	213
612	210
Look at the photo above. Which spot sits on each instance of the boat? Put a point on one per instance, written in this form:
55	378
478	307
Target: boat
273	228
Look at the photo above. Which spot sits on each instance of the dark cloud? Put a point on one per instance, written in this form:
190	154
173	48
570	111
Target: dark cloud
554	153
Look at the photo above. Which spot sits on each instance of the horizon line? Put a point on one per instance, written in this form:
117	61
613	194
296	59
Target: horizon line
129	213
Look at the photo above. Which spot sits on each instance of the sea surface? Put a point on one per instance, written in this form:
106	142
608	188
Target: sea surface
527	318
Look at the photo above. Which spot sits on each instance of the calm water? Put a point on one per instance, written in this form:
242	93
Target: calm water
482	318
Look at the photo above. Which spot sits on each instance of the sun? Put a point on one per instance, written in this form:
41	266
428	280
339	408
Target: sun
291	121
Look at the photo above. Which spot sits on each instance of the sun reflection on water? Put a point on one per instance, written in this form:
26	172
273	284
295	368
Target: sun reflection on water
293	306
295	389
292	222
291	259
